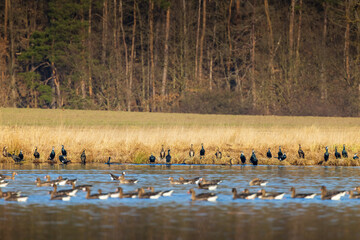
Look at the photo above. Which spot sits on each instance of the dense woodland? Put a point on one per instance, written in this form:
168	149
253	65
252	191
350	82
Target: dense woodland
287	57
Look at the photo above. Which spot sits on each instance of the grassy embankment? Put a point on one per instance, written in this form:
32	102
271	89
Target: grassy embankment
131	137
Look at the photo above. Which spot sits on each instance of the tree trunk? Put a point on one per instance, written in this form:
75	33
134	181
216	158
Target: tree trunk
253	44
323	57
185	45
297	53
202	43
12	54
197	42
271	59
144	86
132	61
90	53
291	39
104	31
124	41
347	42
115	25
166	54
151	48
83	56
228	65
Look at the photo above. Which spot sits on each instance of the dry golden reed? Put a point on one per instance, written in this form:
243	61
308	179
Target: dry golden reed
132	137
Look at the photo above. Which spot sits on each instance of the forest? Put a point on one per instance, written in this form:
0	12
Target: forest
270	57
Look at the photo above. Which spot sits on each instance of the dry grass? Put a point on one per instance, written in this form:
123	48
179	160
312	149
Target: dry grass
131	137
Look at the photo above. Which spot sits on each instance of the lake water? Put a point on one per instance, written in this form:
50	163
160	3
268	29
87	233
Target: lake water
177	217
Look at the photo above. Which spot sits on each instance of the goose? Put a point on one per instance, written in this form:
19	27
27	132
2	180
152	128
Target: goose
195	180
344	152
301	195
5	194
207	186
21	155
191	151
218	154
166	193
331	195
258	182
301	152
127	195
5	152
83	157
63	151
36	154
152	158
162	153
43	184
115	194
60	181
243	195
214	181
12	176
202	151
98	195
63	160
52	154
127	181
326	154
265	195
150	195
337	154
172	181
13	197
355	157
280	154
62	197
242	158
253	158
248	192
268	154
202	196
70	192
4	184
168	157
81	187
354	196
67	181
114	177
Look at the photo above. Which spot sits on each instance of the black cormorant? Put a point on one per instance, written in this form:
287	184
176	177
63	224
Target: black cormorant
253	158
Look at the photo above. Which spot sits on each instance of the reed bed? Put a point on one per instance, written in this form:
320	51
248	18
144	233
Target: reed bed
132	137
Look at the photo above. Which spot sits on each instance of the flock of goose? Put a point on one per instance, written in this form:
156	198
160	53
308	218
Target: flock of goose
200	182
281	156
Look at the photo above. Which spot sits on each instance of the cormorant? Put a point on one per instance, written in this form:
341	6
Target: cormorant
21	155
36	154
52	154
202	151
253	158
242	158
344	152
15	158
280	154
326	154
283	157
355	157
191	151
152	158
168	157
268	154
301	152
162	152
63	151
63	159
337	154
108	162
218	154
83	157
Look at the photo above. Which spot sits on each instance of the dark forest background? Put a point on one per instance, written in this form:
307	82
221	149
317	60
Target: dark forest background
286	57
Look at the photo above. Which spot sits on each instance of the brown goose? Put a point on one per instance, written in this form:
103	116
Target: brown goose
214	181
166	193
202	196
12	176
14	197
150	195
189	181
67	181
207	186
60	182
265	195
353	195
5	194
70	192
177	182
301	195
258	182
331	195
127	181
81	187
98	195
43	184
127	195
243	195
114	177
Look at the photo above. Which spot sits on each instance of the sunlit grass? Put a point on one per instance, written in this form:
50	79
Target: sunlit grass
131	137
